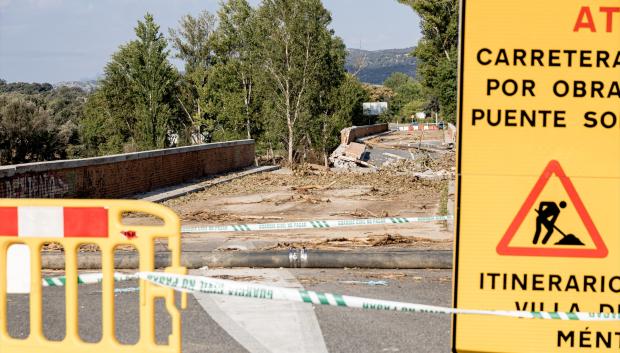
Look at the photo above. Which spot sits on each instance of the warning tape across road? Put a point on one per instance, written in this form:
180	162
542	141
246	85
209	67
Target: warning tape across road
310	224
209	285
185	283
87	278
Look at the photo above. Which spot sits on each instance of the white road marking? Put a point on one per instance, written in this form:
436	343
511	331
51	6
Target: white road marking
264	326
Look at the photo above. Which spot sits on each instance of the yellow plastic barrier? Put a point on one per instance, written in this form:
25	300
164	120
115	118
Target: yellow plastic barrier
72	223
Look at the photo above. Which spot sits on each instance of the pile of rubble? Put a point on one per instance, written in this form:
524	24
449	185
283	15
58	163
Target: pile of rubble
422	165
350	156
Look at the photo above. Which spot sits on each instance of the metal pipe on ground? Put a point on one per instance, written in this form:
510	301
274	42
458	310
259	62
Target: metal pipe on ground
294	258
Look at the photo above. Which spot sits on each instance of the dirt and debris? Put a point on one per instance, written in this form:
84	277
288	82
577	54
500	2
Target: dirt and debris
304	180
368	283
383	275
393	180
421	154
215	216
307	281
308	192
383	241
240	278
424	164
364	213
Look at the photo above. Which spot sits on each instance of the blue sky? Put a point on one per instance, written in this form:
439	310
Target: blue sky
65	40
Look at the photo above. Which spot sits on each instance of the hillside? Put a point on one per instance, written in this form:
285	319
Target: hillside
377	66
380	64
88	85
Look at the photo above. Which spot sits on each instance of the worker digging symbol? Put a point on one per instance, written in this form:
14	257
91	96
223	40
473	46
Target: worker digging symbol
548	213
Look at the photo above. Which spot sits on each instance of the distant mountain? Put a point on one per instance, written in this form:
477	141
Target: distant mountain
377	65
87	85
380	64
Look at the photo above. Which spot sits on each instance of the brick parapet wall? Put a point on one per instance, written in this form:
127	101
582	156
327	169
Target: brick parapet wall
351	134
124	174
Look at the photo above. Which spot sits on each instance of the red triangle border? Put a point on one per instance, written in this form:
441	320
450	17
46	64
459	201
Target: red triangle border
504	248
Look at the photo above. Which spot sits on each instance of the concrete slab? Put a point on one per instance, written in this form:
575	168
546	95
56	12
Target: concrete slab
355	150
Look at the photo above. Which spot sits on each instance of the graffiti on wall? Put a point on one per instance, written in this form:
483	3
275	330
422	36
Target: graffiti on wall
43	185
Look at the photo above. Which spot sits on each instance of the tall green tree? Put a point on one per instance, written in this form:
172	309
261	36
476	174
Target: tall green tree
342	107
102	130
153	81
437	52
235	43
138	92
192	41
294	41
408	96
333	100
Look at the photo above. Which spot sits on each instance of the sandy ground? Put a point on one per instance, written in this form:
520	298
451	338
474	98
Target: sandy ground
285	195
316	193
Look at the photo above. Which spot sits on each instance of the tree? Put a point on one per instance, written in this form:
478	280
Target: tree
138	92
396	80
192	40
378	93
226	104
102	131
437	52
28	132
235	43
295	39
351	97
193	44
343	107
39	122
24	88
408	98
153	79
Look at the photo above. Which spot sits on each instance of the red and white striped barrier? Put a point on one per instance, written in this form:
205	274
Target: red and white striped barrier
54	222
45	222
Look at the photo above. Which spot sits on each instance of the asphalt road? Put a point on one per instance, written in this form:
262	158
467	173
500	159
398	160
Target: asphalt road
343	329
354	330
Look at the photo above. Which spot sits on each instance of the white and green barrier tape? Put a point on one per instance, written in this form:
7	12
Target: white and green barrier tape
311	224
186	283
208	285
87	278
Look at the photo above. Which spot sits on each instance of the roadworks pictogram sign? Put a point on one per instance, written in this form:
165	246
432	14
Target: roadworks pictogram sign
547	215
537	224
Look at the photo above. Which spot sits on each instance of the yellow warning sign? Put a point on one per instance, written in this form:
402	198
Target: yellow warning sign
538	190
545	216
